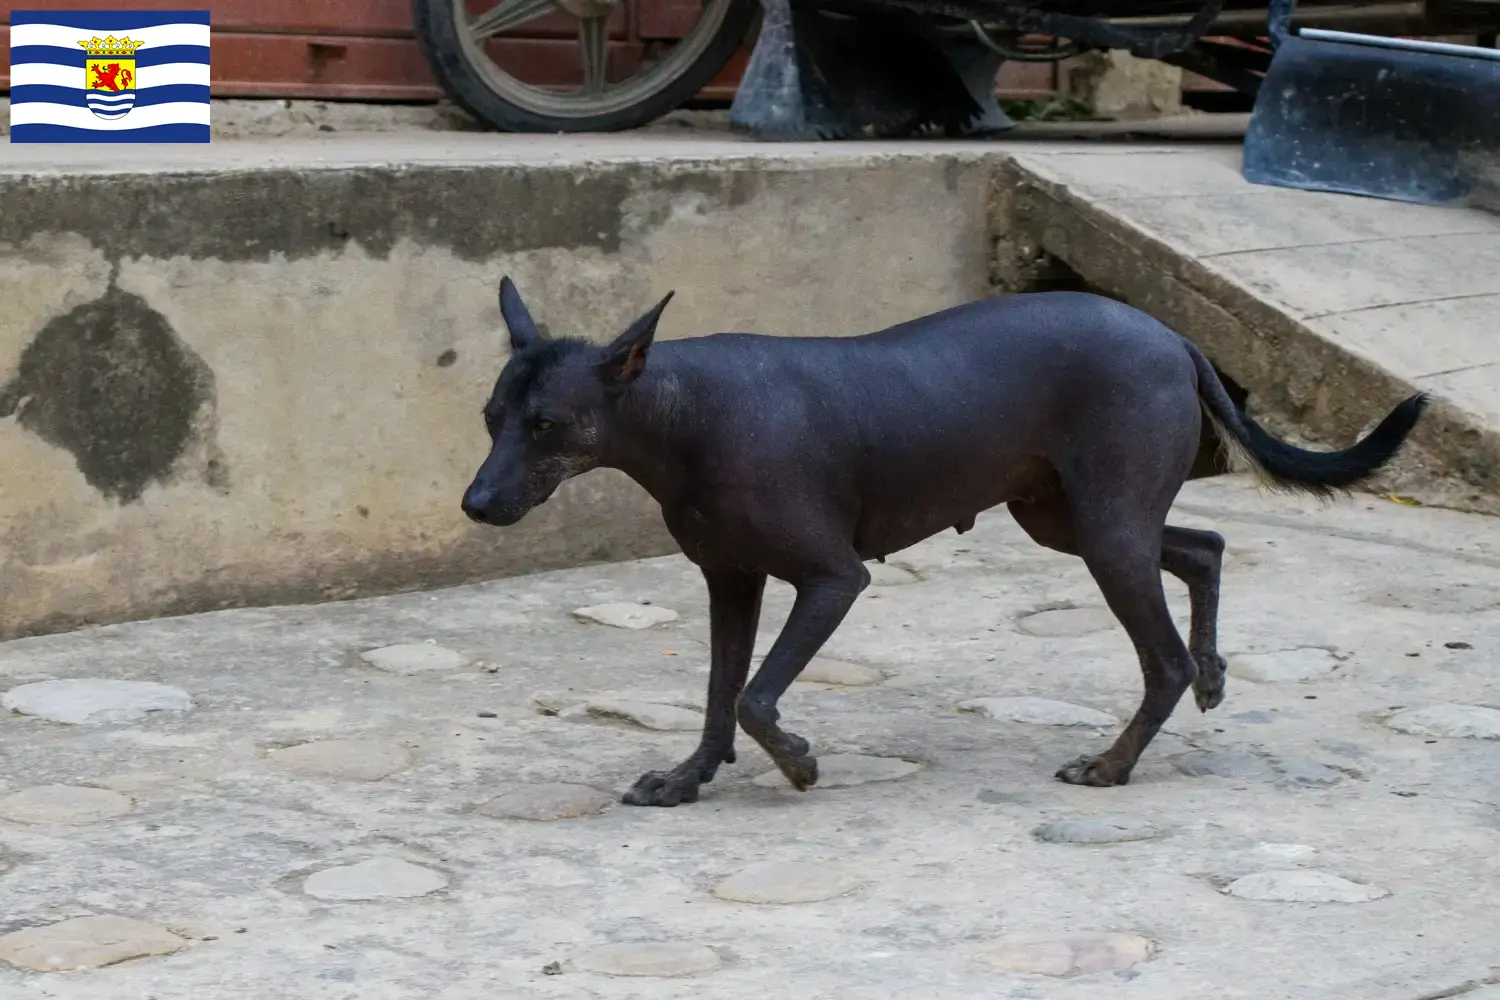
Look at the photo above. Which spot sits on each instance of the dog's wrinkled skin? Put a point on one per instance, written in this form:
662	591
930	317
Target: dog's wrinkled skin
800	458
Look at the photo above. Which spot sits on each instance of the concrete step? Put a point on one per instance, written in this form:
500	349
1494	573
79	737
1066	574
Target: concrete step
303	330
1328	308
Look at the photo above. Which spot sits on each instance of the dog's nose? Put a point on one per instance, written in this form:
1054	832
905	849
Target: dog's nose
474	513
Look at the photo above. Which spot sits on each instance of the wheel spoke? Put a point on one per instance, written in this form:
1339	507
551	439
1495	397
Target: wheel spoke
594	48
506	15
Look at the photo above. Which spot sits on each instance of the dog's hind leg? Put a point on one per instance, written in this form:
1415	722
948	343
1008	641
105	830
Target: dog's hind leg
1196	557
1122	549
734	612
1193	556
1123	553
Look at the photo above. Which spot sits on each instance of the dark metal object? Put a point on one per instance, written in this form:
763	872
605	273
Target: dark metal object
816	73
1392	118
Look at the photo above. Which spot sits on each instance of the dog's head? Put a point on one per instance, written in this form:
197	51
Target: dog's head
548	414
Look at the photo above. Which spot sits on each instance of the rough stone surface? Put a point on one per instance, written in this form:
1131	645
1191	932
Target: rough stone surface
86	943
1254	718
1068	955
842	770
1237	764
1096	830
376	878
1301	885
414	658
840	672
357	760
1038	712
660	959
787	882
545	803
1066	623
78	701
63	805
1308	772
1123	87
1286	852
668	718
624	615
1474	722
1305	663
560	702
889	575
223	836
1442	598
1241	765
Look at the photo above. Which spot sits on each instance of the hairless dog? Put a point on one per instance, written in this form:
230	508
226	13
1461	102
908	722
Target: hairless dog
802	457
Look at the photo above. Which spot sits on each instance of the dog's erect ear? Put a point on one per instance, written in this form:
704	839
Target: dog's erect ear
625	359
523	331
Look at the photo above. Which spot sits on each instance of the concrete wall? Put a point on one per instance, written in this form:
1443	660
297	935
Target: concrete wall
264	386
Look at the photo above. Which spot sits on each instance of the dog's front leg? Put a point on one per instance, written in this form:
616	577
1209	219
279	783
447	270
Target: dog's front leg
820	607
734	612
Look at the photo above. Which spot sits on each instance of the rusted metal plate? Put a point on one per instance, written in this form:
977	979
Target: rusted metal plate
723	86
1019	81
319	66
666	18
338	17
344	68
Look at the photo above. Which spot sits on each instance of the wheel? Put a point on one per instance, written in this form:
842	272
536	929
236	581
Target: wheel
454	42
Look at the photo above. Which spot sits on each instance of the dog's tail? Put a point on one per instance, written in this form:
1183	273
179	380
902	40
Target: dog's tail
1282	466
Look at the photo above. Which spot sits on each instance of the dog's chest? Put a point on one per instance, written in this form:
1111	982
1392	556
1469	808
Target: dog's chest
712	536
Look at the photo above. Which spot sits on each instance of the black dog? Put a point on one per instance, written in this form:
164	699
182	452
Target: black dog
800	458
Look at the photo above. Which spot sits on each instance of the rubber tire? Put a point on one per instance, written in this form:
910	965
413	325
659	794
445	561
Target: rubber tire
437	37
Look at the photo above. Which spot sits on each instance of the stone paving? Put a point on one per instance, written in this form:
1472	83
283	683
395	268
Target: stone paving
418	796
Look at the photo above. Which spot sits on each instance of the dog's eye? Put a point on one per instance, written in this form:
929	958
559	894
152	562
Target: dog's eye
543	425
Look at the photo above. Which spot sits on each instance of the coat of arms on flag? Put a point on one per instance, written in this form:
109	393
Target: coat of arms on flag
109	76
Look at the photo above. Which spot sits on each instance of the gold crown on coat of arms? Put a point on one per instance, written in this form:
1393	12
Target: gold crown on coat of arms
111	46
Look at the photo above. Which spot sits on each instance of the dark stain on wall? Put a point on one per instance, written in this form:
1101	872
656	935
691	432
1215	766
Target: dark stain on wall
112	384
477	212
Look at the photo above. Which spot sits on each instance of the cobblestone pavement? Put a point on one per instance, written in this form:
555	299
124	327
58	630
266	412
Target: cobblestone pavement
418	796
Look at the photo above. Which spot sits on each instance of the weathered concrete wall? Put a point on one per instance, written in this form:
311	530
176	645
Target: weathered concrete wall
264	386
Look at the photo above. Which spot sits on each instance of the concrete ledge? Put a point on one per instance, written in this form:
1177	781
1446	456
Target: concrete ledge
1097	215
262	384
250	373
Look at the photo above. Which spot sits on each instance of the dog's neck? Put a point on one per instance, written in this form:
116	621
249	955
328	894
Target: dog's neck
643	439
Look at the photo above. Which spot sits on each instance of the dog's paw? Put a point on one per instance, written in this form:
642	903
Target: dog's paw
1098	771
1208	686
663	788
802	772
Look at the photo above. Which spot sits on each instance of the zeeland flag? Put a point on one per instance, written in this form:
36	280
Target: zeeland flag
109	76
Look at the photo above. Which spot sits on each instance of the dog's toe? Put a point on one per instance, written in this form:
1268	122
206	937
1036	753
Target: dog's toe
1097	771
661	788
802	772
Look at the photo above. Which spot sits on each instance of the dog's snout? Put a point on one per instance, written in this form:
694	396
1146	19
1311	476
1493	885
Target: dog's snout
473	513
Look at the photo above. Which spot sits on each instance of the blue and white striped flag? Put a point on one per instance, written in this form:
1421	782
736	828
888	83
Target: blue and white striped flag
109	76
